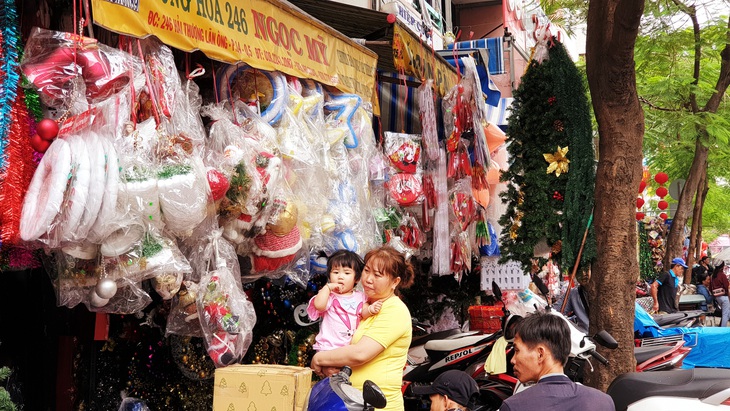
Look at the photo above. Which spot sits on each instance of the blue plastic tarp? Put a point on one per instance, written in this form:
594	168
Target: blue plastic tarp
709	344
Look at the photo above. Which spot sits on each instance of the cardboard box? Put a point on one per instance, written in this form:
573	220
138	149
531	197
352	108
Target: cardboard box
261	388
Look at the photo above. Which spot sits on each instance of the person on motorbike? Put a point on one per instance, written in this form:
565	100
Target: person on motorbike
542	345
453	390
664	288
379	347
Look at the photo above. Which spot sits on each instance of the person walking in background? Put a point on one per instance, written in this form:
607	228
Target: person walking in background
664	288
719	286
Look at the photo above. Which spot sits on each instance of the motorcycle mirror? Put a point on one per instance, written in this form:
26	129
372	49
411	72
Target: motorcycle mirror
373	395
540	285
496	291
605	339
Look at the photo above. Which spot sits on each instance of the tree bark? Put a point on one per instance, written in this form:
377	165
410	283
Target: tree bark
695	236
612	29
691	187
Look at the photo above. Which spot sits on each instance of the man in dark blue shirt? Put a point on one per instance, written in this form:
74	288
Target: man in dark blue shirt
542	345
664	288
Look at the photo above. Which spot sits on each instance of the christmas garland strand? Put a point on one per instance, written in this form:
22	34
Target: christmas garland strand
9	74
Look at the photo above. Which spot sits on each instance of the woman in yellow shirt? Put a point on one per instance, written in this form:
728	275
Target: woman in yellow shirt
379	347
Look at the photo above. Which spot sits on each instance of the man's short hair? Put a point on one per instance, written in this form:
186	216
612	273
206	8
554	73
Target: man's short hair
547	329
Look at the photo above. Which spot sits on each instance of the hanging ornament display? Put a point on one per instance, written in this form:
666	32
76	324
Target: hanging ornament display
640	216
662	192
662	205
47	129
639	202
642	186
663	216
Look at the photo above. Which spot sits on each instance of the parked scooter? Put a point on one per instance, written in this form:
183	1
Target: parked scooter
680	319
694	389
335	393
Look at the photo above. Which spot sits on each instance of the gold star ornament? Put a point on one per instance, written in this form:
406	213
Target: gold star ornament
558	161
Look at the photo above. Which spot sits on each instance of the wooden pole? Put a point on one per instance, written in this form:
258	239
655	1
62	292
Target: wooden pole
577	263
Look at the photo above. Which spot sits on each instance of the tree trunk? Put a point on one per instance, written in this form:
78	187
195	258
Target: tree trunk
676	236
612	29
694	235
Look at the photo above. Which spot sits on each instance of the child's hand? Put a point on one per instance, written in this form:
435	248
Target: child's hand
334	287
375	307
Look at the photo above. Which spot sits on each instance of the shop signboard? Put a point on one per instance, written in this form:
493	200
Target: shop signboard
261	33
414	59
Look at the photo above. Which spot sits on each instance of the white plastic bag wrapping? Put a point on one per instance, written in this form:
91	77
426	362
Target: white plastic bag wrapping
54	61
227	317
183	318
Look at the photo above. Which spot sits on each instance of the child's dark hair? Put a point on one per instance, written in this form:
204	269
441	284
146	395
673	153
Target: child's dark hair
346	258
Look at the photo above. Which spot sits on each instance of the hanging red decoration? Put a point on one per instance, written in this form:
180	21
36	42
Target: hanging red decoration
661	178
639	202
662	192
39	144
663	216
639	215
662	205
47	129
642	186
645	175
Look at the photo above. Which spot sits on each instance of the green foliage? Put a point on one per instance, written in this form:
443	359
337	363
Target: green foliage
550	110
6	404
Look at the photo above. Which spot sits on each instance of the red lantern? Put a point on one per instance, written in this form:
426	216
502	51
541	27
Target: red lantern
661	178
662	205
642	186
663	216
662	192
639	202
639	215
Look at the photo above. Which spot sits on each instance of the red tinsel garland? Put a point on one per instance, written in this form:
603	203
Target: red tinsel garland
19	171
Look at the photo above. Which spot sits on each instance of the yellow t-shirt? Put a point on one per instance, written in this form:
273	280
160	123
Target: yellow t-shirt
391	328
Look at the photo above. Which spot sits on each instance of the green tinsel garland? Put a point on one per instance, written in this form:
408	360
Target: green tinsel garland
150	246
572	101
646	264
534	211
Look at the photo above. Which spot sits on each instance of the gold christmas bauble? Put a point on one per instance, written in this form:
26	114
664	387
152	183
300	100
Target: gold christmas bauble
287	220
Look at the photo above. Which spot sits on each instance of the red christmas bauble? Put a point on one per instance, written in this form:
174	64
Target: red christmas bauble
218	183
662	192
47	129
639	215
662	205
639	202
663	216
642	186
661	178
40	145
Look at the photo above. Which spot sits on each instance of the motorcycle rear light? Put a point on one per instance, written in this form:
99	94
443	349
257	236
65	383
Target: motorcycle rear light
726	402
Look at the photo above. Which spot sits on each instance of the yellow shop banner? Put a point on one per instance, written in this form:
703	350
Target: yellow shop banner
411	56
260	33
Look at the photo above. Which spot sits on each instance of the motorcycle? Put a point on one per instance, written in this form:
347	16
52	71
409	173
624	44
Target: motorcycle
694	389
335	393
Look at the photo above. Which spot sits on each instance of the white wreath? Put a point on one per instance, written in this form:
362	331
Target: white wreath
45	193
111	190
97	185
74	202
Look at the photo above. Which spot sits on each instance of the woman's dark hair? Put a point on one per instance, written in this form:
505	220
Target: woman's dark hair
393	263
701	277
548	329
720	268
348	259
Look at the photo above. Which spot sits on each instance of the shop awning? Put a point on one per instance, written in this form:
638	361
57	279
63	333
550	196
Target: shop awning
498	115
386	39
265	34
492	45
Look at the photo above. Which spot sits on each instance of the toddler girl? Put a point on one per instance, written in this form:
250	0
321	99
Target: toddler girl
338	304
